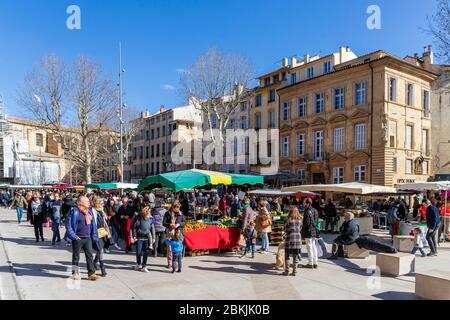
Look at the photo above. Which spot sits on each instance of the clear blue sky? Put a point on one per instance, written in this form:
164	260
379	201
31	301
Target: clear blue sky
162	36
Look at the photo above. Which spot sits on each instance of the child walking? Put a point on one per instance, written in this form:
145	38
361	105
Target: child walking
418	242
250	236
176	246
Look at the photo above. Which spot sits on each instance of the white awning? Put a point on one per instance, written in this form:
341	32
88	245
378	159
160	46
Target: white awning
351	188
425	186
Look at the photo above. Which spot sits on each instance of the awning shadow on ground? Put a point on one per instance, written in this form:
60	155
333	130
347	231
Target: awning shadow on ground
396	295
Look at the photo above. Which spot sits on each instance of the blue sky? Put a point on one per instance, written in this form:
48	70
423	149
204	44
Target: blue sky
159	37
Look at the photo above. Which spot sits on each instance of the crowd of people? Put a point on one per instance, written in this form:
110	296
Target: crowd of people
148	224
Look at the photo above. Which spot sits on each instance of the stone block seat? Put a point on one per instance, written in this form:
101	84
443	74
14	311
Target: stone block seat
395	264
354	252
404	243
433	284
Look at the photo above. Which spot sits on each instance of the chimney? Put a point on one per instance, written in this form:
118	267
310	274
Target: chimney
162	108
144	114
285	62
428	56
293	61
306	58
342	51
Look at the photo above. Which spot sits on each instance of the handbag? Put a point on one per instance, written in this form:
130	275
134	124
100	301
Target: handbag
266	223
318	248
102	232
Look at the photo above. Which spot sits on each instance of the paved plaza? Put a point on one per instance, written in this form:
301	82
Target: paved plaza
30	270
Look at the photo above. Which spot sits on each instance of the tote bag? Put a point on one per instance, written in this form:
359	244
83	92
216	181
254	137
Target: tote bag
318	248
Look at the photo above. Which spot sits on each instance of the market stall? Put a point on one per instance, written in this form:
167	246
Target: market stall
201	236
362	216
442	186
112	186
196	178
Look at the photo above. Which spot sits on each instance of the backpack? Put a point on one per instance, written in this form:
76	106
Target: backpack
391	217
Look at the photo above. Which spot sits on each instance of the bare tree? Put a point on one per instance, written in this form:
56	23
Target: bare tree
216	84
439	28
81	97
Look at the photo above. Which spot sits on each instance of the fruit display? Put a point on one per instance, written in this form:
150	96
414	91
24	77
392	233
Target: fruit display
226	219
195	226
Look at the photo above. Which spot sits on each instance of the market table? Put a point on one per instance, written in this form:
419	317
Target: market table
212	238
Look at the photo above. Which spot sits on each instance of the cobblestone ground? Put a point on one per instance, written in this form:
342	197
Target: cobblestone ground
30	270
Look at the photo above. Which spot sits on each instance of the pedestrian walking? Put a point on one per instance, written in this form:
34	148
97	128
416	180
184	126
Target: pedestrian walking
433	222
176	247
264	226
293	242
82	230
160	230
173	221
310	232
19	203
37	217
103	232
55	216
143	235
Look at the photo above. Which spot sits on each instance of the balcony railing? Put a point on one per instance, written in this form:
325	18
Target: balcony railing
316	156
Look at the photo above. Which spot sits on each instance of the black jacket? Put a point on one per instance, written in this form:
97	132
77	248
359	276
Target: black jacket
330	210
310	221
349	232
167	220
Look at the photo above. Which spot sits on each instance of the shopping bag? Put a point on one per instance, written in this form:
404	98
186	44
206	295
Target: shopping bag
48	224
318	248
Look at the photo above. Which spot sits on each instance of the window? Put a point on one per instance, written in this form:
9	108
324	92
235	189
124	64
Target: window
267	81
360	93
157	133
285	146
214	121
157	150
258	121
426	103
276	78
338	139
410	94
293	78
147	135
394	164
310	73
392	134
392	89
163	149
174	126
231	124
338	175
425	142
141	152
301	144
235	146
247	145
301	174
244	122
425	167
287	111
272	119
39	140
134	153
339	98
408	139
272	95
360	136
301	107
244	106
258	101
327	67
318	145
283	76
153	134
146	153
408	166
360	173
163	131
320	103
152	153
153	169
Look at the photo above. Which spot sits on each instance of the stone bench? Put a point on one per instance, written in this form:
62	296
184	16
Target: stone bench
395	264
433	284
404	243
354	252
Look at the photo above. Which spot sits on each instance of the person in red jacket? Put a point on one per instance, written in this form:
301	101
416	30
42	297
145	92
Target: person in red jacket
445	221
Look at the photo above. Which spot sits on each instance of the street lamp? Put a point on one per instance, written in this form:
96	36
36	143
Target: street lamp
121	106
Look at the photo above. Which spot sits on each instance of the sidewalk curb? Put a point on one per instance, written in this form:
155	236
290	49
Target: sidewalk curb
17	295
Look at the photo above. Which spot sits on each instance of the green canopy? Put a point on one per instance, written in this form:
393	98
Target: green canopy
195	178
111	185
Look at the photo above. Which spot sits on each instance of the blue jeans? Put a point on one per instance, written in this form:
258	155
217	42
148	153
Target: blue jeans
19	214
248	247
55	229
265	241
414	250
115	234
177	257
142	248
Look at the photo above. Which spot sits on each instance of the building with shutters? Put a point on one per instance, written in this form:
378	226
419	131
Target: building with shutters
366	119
